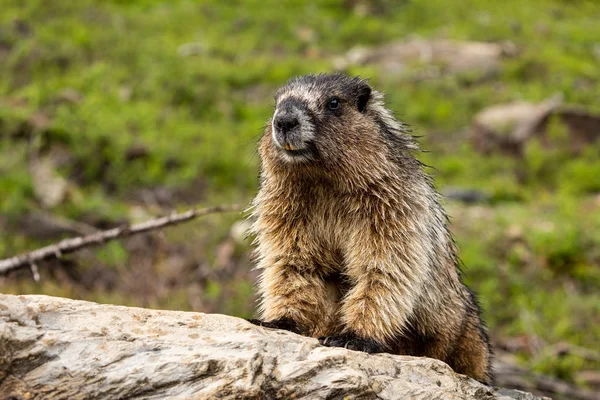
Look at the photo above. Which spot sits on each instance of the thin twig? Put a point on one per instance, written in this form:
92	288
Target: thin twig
67	246
514	377
564	348
64	224
35	272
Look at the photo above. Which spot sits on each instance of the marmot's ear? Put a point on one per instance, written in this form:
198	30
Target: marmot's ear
364	94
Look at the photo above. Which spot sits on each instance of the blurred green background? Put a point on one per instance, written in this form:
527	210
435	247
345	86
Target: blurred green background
120	111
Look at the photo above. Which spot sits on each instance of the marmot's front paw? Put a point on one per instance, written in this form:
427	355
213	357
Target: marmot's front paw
352	342
281	323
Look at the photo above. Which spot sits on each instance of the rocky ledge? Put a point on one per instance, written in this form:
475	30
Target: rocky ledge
55	348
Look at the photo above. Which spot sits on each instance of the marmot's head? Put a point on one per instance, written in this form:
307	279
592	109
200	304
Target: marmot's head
331	120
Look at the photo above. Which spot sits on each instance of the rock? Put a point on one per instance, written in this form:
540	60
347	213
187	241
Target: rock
465	195
192	49
451	55
506	128
49	187
65	349
70	96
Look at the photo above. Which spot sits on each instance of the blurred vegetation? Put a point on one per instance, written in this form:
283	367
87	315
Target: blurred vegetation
147	106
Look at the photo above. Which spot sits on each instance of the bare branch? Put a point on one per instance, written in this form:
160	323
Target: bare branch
516	377
71	245
35	272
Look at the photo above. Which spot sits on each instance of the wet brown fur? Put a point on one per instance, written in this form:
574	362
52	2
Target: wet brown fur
354	243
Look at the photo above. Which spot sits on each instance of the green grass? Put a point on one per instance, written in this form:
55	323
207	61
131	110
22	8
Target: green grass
533	252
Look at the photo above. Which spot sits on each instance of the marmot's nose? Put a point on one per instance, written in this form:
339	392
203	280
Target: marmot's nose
286	122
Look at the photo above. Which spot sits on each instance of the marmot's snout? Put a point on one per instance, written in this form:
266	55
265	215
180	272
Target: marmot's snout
292	128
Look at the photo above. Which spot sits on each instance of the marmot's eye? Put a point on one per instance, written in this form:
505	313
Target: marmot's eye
333	103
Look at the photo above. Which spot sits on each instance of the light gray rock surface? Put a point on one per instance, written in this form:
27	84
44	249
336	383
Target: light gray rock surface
55	348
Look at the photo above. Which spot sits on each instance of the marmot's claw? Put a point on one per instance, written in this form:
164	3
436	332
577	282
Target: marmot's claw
281	323
324	340
351	341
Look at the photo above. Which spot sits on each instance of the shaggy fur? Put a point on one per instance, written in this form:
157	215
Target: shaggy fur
352	241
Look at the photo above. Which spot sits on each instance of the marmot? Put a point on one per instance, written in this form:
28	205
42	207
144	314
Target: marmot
351	237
